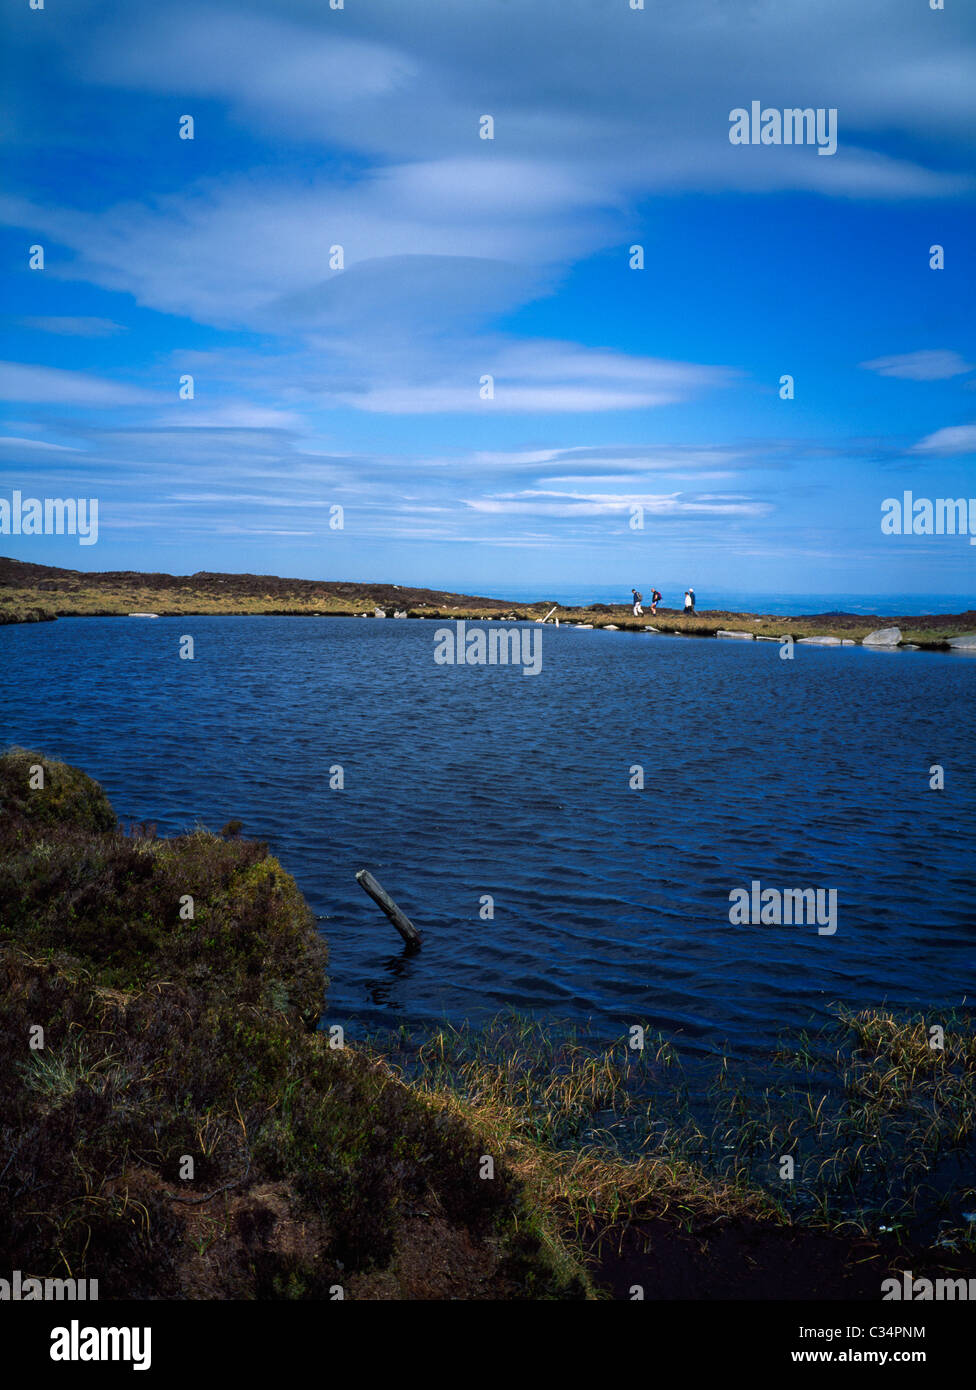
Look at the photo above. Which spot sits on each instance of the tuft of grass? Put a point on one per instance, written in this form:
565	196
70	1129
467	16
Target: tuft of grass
879	1125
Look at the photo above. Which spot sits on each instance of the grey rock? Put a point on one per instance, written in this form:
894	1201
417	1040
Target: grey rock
884	637
742	636
967	640
820	641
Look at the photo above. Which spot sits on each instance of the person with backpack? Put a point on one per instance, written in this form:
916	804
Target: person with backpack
638	600
690	602
655	600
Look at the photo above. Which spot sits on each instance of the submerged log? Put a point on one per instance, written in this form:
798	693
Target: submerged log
382	898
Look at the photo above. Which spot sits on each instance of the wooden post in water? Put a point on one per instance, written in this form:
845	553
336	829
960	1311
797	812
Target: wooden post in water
381	897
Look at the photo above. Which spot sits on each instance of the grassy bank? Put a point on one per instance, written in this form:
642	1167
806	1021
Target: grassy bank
169	1039
183	1126
17	612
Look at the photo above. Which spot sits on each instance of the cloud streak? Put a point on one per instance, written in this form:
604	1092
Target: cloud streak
928	365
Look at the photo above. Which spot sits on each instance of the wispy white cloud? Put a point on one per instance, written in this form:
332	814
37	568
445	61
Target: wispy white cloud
22	381
927	365
80	327
234	415
544	502
547	377
267	67
9	441
954	439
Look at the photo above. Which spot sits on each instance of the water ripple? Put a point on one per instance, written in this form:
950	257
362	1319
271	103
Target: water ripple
610	904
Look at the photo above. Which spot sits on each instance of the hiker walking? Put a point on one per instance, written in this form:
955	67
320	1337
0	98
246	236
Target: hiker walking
655	600
690	602
638	600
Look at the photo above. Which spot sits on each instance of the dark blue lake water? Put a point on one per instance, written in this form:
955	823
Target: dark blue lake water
610	904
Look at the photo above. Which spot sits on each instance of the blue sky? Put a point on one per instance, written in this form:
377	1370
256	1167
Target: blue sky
465	257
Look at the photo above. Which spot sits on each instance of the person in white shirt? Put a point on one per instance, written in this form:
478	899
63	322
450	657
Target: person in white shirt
690	601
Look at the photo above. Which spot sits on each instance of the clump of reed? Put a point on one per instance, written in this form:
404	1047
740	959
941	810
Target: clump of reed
566	1114
876	1122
